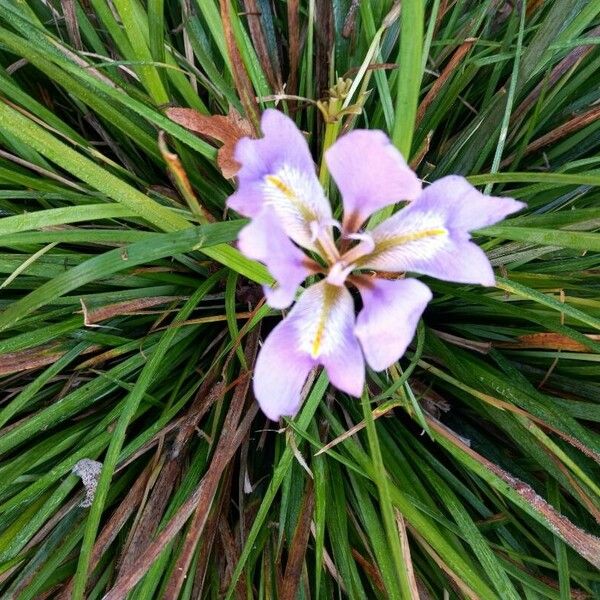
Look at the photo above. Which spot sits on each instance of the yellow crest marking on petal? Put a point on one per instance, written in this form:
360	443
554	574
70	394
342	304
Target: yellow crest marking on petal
291	195
328	298
398	240
285	189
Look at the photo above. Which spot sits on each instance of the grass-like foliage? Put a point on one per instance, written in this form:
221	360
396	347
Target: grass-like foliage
129	322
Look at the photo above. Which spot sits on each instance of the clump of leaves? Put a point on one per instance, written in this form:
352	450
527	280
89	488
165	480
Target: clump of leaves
129	322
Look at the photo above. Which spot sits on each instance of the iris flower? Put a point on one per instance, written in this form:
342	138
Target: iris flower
294	234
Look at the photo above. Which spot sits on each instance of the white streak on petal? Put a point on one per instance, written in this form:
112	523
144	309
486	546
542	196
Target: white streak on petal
405	238
319	330
324	319
462	206
282	144
299	203
338	273
365	246
431	236
319	316
363	237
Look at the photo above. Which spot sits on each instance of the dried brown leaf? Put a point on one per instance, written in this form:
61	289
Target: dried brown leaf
200	516
457	582
567	128
182	182
370	569
448	71
240	75
32	358
127	307
70	16
293	19
228	129
324	43
208	539
201	500
350	20
298	546
533	5
114	525
408	563
270	64
548	341
231	552
564	66
585	544
152	513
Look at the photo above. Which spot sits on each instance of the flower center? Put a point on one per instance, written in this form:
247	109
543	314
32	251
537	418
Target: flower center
365	246
321	236
345	264
338	273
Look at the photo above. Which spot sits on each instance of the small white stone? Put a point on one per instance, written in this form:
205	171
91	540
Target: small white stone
89	471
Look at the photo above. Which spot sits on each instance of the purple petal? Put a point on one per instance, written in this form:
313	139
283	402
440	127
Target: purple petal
298	200
430	236
443	254
324	319
264	240
282	144
345	363
462	206
319	330
370	174
248	199
388	321
460	261
280	372
278	170
346	370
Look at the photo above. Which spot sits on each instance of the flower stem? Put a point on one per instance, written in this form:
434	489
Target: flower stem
332	130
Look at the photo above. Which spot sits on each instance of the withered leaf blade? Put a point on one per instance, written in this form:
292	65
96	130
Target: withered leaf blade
549	341
32	358
227	129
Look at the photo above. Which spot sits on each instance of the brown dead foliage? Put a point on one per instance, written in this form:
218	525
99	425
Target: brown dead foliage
406	554
461	586
32	358
127	307
563	67
70	17
298	546
324	43
448	71
231	553
200	503
114	525
227	129
584	543
269	63
370	569
293	19
548	341
240	75
567	128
